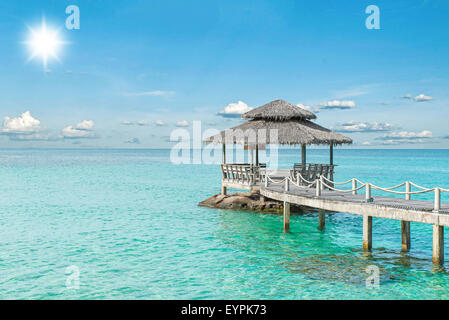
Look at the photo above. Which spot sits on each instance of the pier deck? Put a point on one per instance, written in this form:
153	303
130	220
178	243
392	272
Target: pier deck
323	195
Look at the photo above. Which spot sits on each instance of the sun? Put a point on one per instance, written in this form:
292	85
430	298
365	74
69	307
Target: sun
44	43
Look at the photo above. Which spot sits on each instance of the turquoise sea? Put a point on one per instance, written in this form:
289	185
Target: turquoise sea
128	221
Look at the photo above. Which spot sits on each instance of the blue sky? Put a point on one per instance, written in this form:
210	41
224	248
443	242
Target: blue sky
134	63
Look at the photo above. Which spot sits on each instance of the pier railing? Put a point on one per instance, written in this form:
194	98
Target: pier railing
322	182
245	174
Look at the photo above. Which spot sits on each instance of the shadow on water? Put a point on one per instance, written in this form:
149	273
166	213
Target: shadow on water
314	254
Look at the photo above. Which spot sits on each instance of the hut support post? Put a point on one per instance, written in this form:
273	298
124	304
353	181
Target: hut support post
286	216
257	154
331	162
224	154
303	155
321	219
367	232
250	150
405	235
438	245
223	188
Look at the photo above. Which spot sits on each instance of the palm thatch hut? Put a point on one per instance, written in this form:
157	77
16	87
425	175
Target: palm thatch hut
291	124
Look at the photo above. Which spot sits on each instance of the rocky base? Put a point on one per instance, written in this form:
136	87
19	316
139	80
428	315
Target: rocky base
247	201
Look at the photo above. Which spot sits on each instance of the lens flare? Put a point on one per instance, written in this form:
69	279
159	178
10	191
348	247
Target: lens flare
44	43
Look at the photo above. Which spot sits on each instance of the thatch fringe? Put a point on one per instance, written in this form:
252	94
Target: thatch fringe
292	132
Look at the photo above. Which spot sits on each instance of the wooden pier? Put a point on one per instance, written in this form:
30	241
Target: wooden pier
312	185
321	194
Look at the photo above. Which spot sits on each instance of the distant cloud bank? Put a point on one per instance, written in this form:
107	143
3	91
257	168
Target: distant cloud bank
405	137
354	126
135	123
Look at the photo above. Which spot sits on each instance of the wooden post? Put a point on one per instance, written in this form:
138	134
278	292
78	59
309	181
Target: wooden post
286	216
331	154
257	154
331	162
438	245
354	186
368	193
224	153
407	190
250	150
303	155
367	232
223	189
405	235
437	203
321	219
318	188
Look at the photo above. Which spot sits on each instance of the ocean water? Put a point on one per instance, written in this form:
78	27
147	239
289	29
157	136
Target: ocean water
124	224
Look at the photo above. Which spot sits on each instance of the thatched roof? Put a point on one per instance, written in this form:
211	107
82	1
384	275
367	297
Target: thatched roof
291	132
279	110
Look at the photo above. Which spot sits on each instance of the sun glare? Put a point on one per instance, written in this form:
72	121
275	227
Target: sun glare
44	43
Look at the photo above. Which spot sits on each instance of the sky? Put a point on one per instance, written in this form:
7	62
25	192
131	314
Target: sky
135	71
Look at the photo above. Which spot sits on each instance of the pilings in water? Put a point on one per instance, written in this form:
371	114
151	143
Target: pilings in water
405	236
438	245
286	216
367	232
321	219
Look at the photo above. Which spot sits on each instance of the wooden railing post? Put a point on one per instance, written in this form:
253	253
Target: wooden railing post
368	192
318	187
266	180
437	202
354	186
407	190
286	184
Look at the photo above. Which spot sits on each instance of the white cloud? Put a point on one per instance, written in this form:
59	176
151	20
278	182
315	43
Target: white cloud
182	123
234	110
82	130
419	98
354	126
406	137
308	108
159	123
366	143
156	93
422	97
338	104
24	124
85	125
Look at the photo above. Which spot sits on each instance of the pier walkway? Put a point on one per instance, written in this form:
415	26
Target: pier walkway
323	195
